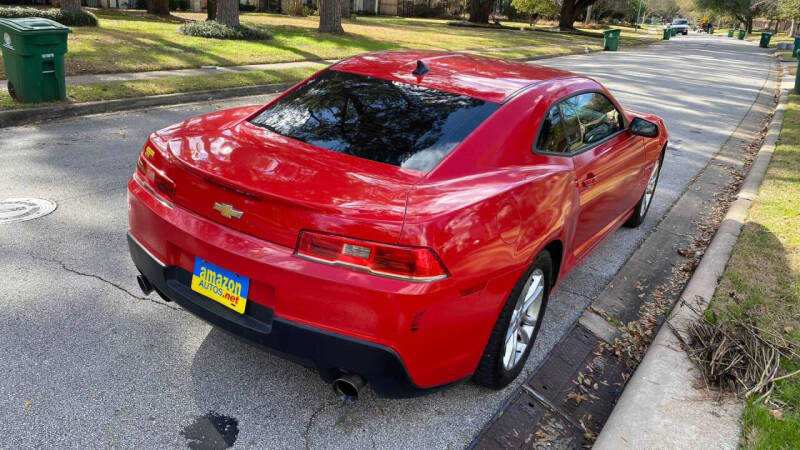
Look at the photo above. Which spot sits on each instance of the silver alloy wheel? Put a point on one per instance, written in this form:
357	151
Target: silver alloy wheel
523	320
651	188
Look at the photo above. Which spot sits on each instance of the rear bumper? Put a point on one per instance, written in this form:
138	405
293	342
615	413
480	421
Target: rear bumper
330	353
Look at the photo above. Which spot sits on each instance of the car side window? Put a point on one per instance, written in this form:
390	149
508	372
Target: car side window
572	125
552	137
597	116
579	121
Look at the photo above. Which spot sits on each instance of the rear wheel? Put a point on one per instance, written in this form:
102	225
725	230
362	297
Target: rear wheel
12	91
640	211
517	327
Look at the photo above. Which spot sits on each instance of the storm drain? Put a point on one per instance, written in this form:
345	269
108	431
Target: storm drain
24	208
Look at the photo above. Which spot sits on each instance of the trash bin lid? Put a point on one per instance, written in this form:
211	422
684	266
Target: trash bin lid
34	25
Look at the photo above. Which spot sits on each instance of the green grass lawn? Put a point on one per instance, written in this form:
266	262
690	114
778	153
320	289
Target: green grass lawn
126	42
761	284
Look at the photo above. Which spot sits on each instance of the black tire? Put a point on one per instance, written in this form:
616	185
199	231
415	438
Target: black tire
638	214
491	371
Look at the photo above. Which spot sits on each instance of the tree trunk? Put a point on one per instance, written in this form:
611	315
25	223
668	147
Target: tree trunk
71	5
346	9
567	18
228	12
588	19
262	5
158	7
330	17
211	10
792	27
479	10
777	23
749	25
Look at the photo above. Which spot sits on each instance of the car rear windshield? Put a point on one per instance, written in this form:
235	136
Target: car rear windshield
385	121
681	22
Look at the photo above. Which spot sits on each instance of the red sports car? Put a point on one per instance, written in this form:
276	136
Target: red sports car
398	219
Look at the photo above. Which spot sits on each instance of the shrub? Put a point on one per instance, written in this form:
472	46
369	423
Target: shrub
215	30
247	8
176	5
69	18
429	11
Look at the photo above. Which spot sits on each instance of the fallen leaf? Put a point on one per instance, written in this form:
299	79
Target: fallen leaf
27	405
777	414
577	397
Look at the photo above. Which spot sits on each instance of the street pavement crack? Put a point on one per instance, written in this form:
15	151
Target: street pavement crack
108	282
307	431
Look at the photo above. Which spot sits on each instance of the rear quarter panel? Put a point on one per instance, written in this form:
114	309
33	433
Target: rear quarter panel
488	222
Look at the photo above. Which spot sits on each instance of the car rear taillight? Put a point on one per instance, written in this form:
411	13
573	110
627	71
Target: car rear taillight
153	178
394	261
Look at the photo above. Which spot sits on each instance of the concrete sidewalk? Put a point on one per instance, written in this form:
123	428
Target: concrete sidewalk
206	70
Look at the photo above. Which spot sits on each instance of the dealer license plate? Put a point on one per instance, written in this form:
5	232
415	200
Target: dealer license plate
220	285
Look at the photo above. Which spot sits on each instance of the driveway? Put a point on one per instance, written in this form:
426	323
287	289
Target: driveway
88	362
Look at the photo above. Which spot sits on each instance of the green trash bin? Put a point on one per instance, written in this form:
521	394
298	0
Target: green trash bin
667	34
797	80
765	37
673	32
742	34
33	54
710	29
796	47
730	32
611	40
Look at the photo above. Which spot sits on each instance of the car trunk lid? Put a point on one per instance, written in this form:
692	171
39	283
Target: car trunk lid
272	187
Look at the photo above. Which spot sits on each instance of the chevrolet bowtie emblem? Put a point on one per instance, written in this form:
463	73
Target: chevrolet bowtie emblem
227	211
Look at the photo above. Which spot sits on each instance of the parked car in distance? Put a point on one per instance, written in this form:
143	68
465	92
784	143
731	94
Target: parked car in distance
681	25
398	219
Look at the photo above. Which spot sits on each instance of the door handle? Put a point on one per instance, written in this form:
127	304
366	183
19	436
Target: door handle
589	181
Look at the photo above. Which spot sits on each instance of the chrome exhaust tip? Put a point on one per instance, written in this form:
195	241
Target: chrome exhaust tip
348	385
144	284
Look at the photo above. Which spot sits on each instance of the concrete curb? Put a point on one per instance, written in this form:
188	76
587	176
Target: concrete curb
18	117
662	405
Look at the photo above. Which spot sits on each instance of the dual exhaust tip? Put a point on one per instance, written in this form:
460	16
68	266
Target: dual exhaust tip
346	386
144	284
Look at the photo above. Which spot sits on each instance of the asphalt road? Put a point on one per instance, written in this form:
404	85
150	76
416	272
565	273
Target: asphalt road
88	362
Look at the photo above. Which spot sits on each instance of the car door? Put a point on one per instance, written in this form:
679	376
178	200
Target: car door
607	161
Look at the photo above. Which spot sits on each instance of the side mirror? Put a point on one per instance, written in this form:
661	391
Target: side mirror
643	127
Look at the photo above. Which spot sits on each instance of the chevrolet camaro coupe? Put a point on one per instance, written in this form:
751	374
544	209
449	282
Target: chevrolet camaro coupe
398	219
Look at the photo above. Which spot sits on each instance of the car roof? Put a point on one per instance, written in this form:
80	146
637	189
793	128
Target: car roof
489	79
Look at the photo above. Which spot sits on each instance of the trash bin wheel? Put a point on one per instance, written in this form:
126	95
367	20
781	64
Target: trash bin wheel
11	91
